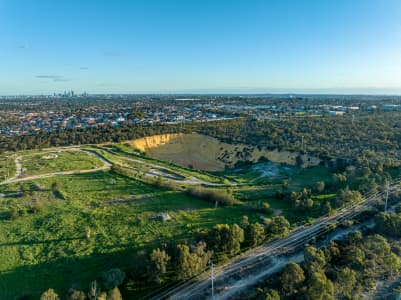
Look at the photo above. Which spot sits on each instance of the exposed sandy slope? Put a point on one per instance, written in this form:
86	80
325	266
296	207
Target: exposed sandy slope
207	153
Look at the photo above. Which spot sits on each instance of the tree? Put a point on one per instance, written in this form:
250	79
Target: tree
388	224
346	281
114	294
244	222
256	234
355	257
158	264
55	186
113	278
13	214
265	207
377	247
102	296
320	186
345	196
191	263
76	295
94	291
272	295
291	278
393	264
315	260
50	294
237	239
226	238
320	287
339	178
279	226
327	210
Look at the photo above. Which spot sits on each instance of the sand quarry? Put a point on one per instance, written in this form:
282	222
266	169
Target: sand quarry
206	153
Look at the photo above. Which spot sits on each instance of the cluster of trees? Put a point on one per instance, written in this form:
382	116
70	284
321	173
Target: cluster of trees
371	140
303	201
14	213
348	184
342	270
363	178
389	224
107	289
96	135
35	205
185	260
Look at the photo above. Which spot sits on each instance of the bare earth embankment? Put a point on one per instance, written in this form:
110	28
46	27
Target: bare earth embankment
207	153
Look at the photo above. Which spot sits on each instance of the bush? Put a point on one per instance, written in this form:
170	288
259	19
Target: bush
212	195
13	214
36	208
50	294
76	295
113	278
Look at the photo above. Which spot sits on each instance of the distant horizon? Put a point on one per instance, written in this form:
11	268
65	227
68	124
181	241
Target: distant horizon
320	92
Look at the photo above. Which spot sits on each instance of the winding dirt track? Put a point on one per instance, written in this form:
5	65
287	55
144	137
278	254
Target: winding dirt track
156	170
161	171
17	177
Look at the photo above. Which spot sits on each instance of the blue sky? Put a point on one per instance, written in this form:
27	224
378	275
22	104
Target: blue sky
130	46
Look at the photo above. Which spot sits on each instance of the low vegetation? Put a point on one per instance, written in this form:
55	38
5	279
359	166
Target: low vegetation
7	167
216	196
348	269
58	161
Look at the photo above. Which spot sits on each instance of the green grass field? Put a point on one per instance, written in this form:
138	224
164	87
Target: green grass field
7	167
121	214
50	162
43	242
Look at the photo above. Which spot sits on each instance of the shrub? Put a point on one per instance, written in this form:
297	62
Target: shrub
212	195
113	278
13	214
50	294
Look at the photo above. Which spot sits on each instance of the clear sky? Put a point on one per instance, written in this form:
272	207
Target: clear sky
132	46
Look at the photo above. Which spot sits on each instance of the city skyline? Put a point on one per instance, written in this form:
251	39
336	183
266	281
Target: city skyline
131	47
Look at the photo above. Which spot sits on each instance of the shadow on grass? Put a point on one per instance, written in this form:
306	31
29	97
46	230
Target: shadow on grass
27	243
61	274
29	282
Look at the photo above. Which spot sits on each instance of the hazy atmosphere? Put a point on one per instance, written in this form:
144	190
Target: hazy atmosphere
205	46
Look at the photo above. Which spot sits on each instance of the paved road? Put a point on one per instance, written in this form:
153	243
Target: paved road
255	264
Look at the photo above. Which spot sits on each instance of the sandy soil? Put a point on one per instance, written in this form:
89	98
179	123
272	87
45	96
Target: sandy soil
207	153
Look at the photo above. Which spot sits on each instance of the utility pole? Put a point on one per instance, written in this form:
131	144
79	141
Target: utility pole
387	192
212	280
302	143
353	119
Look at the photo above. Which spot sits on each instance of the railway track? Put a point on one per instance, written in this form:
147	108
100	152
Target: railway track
246	269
